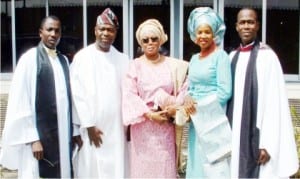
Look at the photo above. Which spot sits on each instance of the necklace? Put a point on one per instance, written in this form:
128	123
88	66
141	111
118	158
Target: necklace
208	51
155	61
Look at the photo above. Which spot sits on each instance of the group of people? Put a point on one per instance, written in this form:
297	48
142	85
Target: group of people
105	116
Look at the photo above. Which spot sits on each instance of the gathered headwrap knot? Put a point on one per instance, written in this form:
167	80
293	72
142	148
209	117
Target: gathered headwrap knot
205	15
108	17
151	26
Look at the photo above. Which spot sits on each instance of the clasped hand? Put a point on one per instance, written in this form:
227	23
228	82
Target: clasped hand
158	116
163	115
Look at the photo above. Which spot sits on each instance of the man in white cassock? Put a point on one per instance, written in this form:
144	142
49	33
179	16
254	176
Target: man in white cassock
37	136
96	74
263	143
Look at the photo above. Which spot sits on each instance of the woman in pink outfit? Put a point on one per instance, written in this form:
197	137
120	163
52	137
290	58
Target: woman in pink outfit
152	91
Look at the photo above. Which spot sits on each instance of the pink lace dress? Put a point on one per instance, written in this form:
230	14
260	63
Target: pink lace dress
152	148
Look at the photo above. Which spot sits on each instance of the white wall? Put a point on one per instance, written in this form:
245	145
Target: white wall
293	90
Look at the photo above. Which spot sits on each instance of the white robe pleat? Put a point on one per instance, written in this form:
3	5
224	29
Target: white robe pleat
20	125
273	116
96	87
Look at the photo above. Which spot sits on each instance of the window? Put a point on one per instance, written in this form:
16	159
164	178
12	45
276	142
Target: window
283	33
159	10
279	28
6	40
27	27
231	39
70	16
282	30
189	47
95	9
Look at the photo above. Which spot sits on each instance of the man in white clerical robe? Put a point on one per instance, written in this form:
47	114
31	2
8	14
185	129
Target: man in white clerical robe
263	143
96	74
37	136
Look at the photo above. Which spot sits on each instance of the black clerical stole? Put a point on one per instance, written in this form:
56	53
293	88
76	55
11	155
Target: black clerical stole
249	137
46	113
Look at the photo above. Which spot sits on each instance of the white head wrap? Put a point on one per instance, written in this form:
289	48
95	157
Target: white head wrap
151	26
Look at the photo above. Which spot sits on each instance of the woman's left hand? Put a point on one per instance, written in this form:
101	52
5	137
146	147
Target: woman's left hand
189	105
159	116
171	111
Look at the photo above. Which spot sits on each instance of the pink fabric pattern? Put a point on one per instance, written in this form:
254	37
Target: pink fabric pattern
152	145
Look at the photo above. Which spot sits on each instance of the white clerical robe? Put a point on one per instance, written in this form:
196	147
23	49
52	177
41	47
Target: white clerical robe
20	124
273	116
96	87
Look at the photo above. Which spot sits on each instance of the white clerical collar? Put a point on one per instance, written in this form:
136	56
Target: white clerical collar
51	52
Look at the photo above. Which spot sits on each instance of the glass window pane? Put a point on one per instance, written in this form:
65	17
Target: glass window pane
96	8
147	9
6	40
189	47
27	28
283	33
71	15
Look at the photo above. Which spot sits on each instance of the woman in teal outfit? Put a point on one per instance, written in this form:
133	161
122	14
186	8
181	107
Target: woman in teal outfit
209	74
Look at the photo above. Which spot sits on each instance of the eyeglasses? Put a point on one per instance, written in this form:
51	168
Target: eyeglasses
153	39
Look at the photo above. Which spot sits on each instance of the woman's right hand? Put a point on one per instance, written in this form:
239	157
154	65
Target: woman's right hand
158	116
